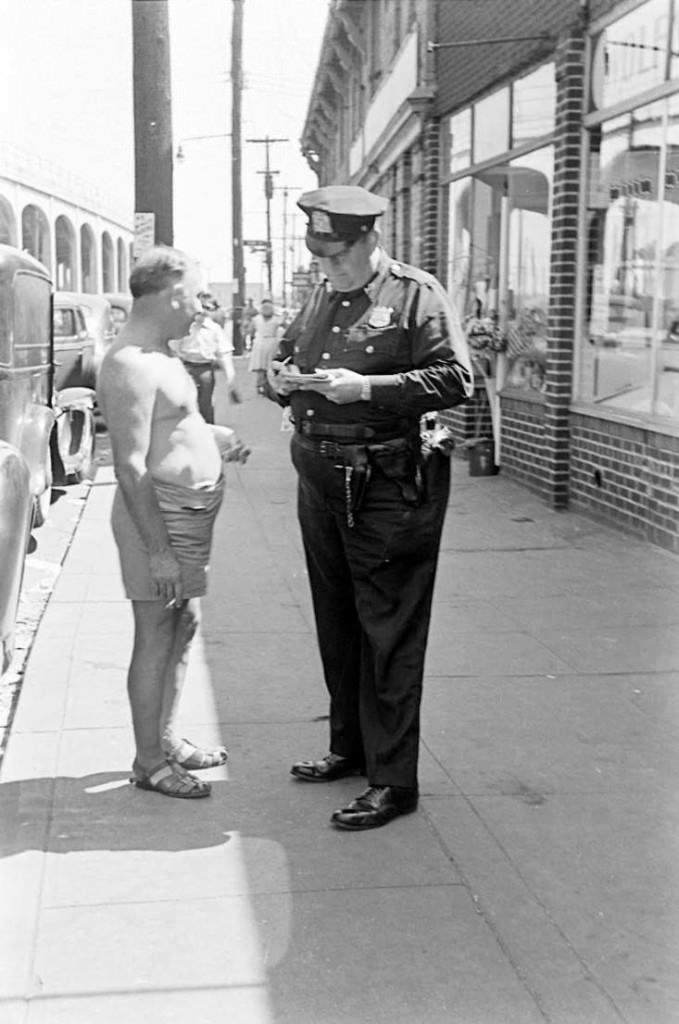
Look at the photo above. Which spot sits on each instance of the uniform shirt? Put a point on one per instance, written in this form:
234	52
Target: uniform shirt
205	343
400	330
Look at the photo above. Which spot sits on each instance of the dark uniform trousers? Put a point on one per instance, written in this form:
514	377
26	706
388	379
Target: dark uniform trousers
372	585
203	375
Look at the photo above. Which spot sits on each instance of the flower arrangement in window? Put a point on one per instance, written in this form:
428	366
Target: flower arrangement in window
484	334
527	349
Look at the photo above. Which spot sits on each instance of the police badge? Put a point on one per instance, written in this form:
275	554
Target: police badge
380	316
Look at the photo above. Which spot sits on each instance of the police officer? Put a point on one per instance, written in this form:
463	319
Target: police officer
376	346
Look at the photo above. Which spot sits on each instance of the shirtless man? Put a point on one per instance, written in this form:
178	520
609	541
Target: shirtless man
168	463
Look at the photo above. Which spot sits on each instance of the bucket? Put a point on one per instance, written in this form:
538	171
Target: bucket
482	458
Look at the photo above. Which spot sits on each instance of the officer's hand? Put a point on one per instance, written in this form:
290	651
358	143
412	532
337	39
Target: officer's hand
281	377
339	385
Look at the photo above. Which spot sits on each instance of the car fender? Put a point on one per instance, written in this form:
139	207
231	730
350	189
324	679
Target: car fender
36	448
16	513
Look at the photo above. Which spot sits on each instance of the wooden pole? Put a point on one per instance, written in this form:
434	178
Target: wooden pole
153	115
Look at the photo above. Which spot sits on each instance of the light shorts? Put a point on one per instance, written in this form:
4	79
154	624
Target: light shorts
189	515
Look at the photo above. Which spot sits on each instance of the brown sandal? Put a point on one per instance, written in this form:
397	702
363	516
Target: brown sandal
194	758
170	780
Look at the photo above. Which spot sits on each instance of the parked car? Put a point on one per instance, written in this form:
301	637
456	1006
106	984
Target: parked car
121	304
46	435
100	323
74	363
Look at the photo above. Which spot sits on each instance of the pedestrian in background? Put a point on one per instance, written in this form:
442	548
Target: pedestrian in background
246	324
168	464
268	331
377	345
204	349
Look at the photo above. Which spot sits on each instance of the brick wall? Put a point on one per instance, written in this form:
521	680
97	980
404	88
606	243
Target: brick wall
523	452
570	69
471	420
627	475
431	235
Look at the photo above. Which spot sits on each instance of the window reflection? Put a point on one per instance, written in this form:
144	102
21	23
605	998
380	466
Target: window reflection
459	235
460	140
630	54
533	105
530	201
632	300
491	126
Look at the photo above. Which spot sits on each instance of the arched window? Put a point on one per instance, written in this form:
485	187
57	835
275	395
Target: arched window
107	263
122	266
64	237
8	227
88	259
35	234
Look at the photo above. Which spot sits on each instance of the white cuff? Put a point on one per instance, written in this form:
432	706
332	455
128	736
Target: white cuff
366	390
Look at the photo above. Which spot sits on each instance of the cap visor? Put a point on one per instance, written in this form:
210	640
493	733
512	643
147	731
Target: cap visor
324	249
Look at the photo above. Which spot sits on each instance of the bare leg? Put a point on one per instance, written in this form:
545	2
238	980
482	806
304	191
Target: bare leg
154	678
187	619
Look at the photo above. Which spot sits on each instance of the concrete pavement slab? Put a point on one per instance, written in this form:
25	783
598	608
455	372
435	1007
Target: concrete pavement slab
531	738
620	926
359	970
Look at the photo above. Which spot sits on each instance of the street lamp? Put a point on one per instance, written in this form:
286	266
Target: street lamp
179	155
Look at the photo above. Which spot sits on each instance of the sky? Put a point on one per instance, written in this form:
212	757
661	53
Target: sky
67	71
281	48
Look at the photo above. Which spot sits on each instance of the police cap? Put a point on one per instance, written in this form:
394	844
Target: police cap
338	216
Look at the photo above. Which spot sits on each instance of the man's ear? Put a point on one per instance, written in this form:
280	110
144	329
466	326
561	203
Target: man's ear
175	294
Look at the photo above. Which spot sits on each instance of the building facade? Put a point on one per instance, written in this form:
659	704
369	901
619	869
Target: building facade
530	164
67	223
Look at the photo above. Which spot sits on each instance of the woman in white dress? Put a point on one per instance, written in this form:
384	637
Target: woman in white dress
268	331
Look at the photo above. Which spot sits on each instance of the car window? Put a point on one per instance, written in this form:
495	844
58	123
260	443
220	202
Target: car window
64	323
31	320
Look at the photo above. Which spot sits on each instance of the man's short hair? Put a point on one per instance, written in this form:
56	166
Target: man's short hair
156	268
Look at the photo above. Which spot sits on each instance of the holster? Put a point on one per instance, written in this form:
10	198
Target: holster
399	461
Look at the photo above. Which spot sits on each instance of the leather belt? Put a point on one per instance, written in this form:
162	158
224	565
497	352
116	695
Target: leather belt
354	433
326	449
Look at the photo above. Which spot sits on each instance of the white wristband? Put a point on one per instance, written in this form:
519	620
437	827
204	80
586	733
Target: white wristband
366	390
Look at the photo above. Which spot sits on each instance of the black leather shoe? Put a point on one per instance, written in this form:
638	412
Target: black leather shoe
377	806
329	768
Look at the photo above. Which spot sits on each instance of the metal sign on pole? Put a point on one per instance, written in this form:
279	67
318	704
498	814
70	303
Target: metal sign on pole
144	233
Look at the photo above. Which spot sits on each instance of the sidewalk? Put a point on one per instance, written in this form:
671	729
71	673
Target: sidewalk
536	883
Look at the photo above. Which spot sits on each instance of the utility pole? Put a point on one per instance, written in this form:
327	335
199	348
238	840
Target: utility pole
152	121
286	189
268	192
236	174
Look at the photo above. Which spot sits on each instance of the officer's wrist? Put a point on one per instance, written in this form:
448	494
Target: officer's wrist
366	390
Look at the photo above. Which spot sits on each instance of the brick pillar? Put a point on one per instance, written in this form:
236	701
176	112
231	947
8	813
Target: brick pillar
431	234
569	58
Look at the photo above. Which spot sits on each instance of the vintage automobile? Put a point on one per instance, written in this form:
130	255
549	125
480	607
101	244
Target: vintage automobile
46	435
83	330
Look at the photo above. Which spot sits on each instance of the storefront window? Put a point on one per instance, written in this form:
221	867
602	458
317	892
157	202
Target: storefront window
630	55
666	397
674	50
491	126
529	190
459	235
631	361
533	105
460	141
